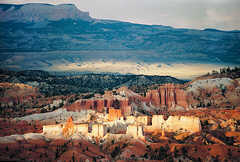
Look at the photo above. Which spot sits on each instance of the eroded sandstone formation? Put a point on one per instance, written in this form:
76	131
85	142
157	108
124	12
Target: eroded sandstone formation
168	95
176	123
219	92
135	127
114	114
103	104
16	94
98	130
68	129
135	131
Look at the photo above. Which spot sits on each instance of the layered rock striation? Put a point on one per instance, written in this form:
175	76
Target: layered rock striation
168	95
103	104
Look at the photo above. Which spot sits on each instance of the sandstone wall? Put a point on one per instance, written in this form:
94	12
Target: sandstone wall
176	123
144	120
130	119
86	104
81	129
168	95
98	130
135	131
53	130
69	128
114	114
126	111
101	104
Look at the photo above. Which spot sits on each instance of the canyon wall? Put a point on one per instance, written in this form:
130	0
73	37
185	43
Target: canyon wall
221	92
102	105
98	130
135	131
114	114
69	128
176	123
144	120
168	95
53	130
81	129
136	126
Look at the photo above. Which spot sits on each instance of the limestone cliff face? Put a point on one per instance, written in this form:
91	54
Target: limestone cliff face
168	95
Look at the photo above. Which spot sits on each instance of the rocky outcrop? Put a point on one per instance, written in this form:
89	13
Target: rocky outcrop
205	93
114	114
176	123
53	130
98	130
168	95
13	94
216	93
88	104
102	104
68	129
135	131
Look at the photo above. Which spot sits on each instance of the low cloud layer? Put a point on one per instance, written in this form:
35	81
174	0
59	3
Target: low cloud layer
182	71
220	14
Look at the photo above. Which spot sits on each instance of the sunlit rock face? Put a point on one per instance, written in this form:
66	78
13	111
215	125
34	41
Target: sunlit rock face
61	130
69	128
176	123
114	114
168	95
135	131
98	130
53	130
219	92
81	129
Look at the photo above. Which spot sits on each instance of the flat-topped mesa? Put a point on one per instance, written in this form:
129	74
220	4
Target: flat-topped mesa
167	95
38	12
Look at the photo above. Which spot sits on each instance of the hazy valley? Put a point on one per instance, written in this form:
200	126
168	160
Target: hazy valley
76	88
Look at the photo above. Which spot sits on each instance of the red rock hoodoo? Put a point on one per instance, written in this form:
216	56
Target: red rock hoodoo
114	114
168	95
101	104
68	129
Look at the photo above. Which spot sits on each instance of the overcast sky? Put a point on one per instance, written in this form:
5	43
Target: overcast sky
200	14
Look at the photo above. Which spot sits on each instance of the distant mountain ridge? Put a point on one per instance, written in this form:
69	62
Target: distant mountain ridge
38	12
63	38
